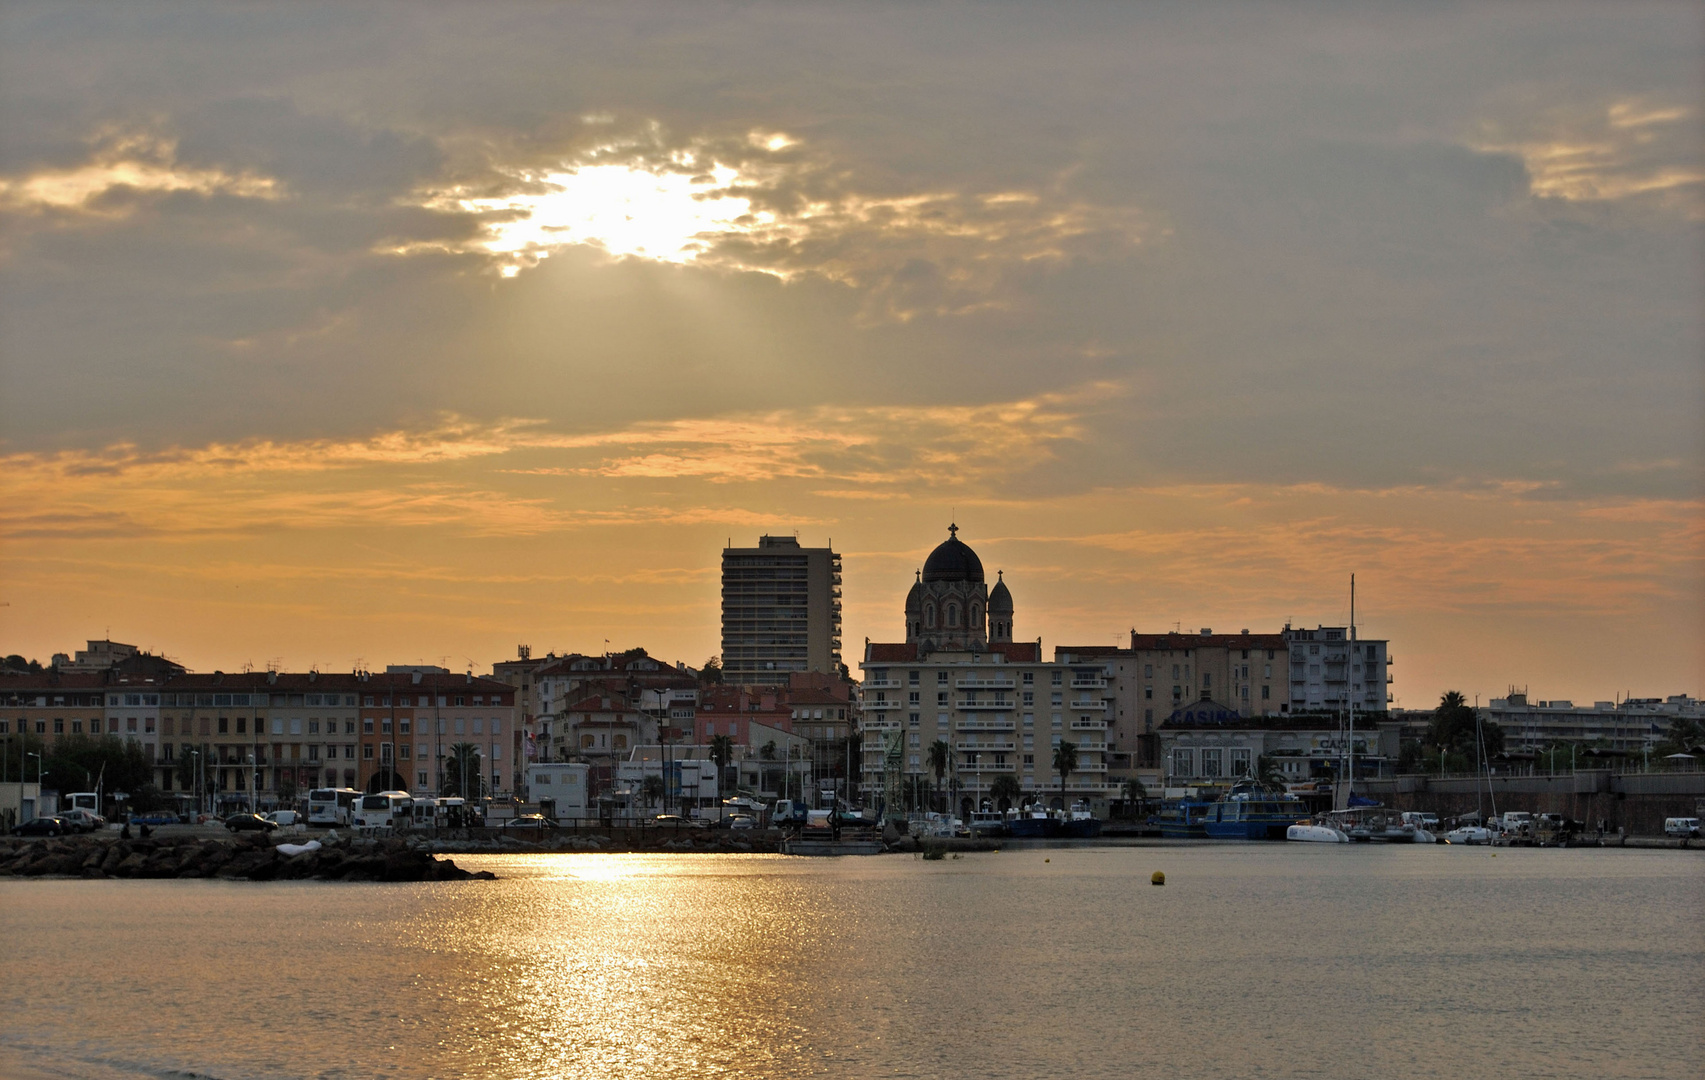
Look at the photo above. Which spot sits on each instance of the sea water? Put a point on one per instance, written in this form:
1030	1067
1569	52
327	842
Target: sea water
1253	960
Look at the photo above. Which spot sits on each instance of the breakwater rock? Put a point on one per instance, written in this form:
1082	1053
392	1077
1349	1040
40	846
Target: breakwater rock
251	858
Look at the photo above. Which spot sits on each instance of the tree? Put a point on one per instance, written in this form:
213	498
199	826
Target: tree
1452	727
286	786
1134	791
1065	763
1005	791
721	752
463	764
80	762
940	757
1267	773
767	752
711	671
189	762
652	790
1683	735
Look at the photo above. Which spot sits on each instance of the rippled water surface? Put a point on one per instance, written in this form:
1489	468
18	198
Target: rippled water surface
1252	961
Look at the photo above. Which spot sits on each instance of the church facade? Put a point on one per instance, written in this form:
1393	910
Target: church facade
960	681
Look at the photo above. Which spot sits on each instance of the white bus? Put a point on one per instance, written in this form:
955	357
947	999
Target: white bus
386	810
331	806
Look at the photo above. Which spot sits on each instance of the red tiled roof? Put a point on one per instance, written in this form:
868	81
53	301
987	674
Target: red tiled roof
890	652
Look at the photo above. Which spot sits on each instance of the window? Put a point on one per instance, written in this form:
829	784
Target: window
1059	678
314	752
1057	700
941	678
1030	697
367	751
243	725
1148	693
1183	763
129	725
462	725
420	780
1240	761
366	725
348	727
496	726
76	726
313	727
912	678
1266	693
1207	679
41	727
479	725
59	726
1211	762
224	726
913	720
385	753
385	725
367	701
1056	720
1029	719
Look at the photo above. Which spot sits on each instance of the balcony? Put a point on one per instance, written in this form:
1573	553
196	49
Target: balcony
1092	748
885	684
985	703
1086	724
1089	704
979	747
881	725
1089	684
985	723
997	683
989	766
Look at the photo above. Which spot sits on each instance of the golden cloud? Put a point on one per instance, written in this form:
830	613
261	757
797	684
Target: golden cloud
126	163
1628	149
763	203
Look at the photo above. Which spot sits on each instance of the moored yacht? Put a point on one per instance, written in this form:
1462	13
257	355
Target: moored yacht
1251	812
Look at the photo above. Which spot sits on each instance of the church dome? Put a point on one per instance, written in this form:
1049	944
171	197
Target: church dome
953	560
1000	598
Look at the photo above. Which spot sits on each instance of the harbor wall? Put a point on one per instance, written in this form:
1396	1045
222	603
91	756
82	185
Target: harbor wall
1638	803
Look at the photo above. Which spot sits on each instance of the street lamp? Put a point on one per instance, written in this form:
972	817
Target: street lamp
38	768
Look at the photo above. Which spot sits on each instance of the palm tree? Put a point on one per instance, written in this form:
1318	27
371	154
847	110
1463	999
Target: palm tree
1134	793
462	772
1267	773
721	752
1005	791
940	757
652	789
1065	763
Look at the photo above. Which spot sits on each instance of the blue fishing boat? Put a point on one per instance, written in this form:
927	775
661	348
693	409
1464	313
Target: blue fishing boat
1251	812
1181	819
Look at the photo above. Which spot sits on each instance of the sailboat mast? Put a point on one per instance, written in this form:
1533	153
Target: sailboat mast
1351	747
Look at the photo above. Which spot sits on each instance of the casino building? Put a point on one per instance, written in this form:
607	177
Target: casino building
960	679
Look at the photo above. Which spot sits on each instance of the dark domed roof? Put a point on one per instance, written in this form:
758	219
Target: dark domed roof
953	561
1000	598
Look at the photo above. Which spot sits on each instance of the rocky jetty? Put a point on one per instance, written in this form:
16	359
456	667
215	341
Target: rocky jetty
253	857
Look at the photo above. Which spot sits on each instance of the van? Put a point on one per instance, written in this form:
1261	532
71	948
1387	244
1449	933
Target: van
1684	827
1515	819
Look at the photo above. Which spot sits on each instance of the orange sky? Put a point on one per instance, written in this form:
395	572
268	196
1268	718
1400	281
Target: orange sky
440	335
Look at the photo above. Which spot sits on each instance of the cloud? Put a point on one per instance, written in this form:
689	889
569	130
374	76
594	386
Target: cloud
766	203
1631	149
121	167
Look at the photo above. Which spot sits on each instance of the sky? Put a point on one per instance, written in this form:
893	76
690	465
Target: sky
356	334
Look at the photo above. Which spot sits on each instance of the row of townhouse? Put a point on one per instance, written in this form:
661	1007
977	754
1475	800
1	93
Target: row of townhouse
262	734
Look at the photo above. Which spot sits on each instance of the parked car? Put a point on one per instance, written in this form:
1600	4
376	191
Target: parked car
742	821
1685	827
248	823
284	818
84	820
529	821
157	817
44	826
677	821
1469	834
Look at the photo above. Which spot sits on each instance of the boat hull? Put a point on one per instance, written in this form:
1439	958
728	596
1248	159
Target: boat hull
1315	834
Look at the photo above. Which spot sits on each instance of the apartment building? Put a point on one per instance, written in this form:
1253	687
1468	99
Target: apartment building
961	680
1632	726
781	611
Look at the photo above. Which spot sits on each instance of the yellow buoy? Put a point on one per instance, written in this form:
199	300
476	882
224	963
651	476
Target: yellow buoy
1047	860
1157	878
